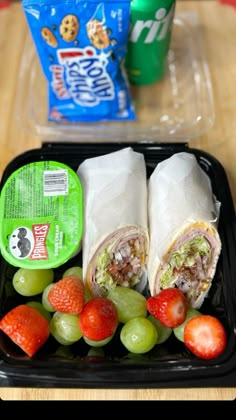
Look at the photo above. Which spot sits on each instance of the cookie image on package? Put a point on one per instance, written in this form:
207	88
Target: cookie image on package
99	34
69	28
49	37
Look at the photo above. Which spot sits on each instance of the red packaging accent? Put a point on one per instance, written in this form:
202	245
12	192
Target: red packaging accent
4	4
228	2
40	232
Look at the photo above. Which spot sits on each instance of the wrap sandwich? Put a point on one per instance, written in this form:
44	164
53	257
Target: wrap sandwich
115	241
183	217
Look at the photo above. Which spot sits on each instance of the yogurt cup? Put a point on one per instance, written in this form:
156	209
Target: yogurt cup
41	214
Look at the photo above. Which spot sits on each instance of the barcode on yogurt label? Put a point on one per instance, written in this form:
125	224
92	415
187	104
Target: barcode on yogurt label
55	182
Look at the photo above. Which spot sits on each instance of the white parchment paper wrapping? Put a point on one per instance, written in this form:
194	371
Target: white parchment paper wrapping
115	196
179	194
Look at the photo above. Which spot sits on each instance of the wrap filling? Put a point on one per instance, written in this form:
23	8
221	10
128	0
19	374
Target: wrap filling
190	265
123	266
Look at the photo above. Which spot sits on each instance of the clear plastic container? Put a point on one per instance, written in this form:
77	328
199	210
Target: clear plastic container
175	109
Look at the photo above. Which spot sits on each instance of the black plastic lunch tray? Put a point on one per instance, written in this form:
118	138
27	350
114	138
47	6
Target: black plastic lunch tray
169	365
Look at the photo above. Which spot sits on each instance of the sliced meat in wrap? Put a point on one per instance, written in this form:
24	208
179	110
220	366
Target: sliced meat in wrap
115	241
184	241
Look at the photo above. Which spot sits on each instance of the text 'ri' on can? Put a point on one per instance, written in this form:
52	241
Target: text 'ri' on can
149	40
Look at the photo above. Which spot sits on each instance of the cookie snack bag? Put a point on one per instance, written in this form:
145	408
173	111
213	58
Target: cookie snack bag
81	47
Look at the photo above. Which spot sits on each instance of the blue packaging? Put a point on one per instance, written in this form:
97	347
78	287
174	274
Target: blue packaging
81	47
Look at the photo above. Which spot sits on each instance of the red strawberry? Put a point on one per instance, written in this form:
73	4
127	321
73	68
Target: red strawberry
205	336
98	319
169	307
26	327
67	295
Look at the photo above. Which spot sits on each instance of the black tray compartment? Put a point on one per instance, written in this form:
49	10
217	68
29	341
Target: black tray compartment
169	365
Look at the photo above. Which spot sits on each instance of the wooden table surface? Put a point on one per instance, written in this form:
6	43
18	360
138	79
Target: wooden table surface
219	32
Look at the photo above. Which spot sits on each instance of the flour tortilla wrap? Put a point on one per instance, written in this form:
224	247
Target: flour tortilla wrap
115	241
184	241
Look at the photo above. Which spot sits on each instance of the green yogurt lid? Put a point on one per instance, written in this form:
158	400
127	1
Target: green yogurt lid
41	214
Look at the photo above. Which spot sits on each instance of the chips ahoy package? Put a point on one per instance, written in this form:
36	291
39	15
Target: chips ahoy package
81	46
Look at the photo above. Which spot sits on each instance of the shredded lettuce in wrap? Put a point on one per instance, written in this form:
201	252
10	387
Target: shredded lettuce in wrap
122	267
187	266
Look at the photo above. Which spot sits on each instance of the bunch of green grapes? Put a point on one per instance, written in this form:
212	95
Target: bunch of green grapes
140	332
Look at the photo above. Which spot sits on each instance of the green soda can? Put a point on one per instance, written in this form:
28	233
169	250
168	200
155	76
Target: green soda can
149	40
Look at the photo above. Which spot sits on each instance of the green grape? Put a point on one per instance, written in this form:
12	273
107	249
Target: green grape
32	282
100	343
65	328
163	333
76	270
57	337
138	335
45	301
41	309
179	331
129	303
